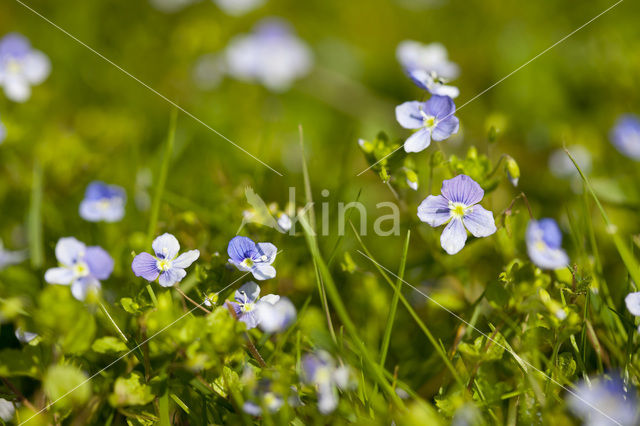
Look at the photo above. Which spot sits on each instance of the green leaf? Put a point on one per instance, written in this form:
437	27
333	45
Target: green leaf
108	344
130	391
66	386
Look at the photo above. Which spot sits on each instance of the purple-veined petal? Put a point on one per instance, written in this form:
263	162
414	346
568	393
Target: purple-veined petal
80	288
241	248
69	250
236	308
633	303
434	210
267	250
61	275
418	141
462	189
453	237
445	128
166	246
421	78
439	107
99	262
186	259
409	116
146	266
479	221
171	276
250	319
247	293
263	271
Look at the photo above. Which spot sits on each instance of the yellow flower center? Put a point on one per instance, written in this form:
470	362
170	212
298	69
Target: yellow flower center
458	210
163	264
81	269
247	262
14	66
428	121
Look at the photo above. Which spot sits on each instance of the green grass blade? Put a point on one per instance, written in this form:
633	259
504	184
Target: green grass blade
34	226
628	259
162	177
394	303
341	310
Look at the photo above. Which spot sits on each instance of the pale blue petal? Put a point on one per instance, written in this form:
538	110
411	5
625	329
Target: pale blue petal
171	276
247	293
409	116
479	221
80	288
445	128
241	248
633	303
453	237
186	259
146	266
462	189
267	250
419	141
440	107
262	271
166	246
434	210
62	276
99	262
69	251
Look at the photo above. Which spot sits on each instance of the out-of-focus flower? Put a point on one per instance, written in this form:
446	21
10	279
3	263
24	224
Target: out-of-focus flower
21	67
561	165
320	371
458	205
7	410
263	395
604	402
434	119
434	84
24	336
166	266
275	317
238	7
8	257
209	71
246	255
431	58
625	136
247	298
103	202
271	55
544	244
633	303
81	266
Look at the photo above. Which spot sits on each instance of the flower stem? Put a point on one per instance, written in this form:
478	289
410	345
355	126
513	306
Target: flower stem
252	348
198	305
104	309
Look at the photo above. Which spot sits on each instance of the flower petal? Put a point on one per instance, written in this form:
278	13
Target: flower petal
545	257
479	221
445	128
462	189
270	298
83	286
434	210
247	293
186	259
144	265
62	276
99	262
241	248
69	250
263	271
419	141
166	246
444	90
250	319
275	317
633	303
171	276
267	250
17	88
409	116
36	67
440	107
453	237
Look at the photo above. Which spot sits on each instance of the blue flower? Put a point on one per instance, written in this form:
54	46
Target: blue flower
103	202
24	336
614	404
249	256
626	136
247	298
238	7
166	266
321	372
458	205
21	67
434	84
81	266
8	257
434	119
432	58
275	317
271	55
544	244
263	395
